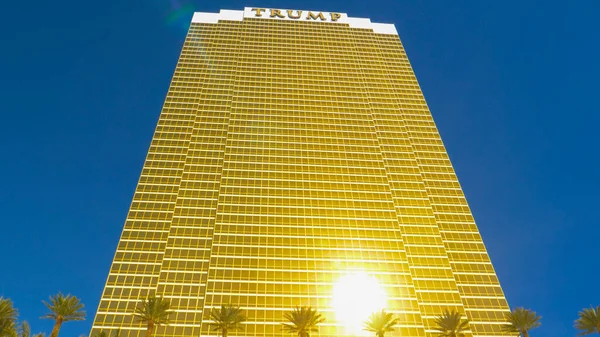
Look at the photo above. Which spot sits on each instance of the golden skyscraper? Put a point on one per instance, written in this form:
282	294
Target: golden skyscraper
295	163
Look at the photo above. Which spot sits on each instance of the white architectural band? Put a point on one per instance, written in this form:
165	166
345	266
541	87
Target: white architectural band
293	14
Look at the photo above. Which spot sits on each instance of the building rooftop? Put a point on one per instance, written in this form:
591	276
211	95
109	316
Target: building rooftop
294	15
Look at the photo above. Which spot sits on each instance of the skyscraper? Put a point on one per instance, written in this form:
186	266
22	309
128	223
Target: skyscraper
295	163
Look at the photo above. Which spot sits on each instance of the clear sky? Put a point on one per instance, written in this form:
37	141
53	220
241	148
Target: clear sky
512	85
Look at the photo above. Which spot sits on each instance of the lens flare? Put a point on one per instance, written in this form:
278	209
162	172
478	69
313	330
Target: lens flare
176	14
355	297
180	14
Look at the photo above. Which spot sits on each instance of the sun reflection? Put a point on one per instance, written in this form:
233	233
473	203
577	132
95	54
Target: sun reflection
355	297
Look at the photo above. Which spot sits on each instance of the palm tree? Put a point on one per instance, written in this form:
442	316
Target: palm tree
588	321
226	318
520	321
381	322
63	308
302	321
154	311
8	318
450	324
24	330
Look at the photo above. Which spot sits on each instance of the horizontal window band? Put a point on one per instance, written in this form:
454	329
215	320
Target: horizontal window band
182	284
137	263
216	244
112	327
308	237
277	258
129	229
140	251
472	262
129	287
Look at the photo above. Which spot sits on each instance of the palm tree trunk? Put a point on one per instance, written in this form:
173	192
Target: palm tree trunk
56	327
525	333
150	329
224	334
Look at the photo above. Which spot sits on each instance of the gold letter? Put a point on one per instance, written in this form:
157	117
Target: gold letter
335	16
314	17
291	14
276	13
258	11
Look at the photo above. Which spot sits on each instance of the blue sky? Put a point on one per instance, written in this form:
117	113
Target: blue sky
512	86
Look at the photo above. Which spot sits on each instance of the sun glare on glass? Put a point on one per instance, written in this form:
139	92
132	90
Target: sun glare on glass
355	297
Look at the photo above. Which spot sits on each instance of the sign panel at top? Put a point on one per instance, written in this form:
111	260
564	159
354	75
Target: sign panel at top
294	14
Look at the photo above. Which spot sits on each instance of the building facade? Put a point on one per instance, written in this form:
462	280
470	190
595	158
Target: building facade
295	163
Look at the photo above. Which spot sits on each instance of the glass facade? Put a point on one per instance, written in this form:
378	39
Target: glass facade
288	154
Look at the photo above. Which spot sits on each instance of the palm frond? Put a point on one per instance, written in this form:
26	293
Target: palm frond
451	324
520	321
302	320
381	322
64	307
588	321
7	310
8	318
227	317
153	309
24	329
